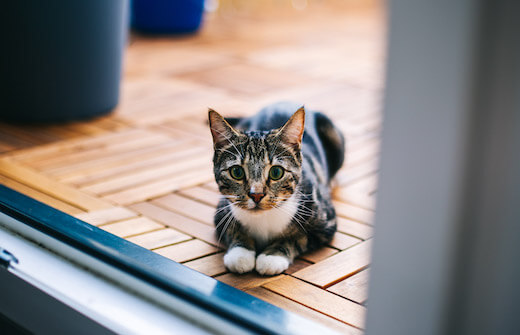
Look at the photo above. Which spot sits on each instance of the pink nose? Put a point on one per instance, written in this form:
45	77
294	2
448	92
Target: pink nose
256	196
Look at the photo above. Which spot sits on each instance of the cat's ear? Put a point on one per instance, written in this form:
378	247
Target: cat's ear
292	131
221	131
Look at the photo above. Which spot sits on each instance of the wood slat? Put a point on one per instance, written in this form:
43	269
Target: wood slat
159	238
40	196
161	187
366	152
187	207
337	267
108	215
82	168
353	212
143	177
70	146
356	229
320	300
187	251
210	265
246	281
349	175
354	288
355	197
306	312
62	161
186	225
131	227
319	254
297	265
202	194
343	241
132	162
50	187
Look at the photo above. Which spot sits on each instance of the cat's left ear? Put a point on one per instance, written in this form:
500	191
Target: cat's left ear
292	131
221	131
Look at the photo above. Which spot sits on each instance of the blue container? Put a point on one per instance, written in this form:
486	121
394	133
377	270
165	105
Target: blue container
166	16
61	59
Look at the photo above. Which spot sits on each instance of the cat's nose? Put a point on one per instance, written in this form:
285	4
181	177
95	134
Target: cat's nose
256	196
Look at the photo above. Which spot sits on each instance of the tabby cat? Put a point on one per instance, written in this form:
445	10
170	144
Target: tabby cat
274	176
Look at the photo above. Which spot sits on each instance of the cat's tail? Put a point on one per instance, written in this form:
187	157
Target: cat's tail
333	143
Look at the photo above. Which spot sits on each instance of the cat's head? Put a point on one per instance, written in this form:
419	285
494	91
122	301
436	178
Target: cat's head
257	170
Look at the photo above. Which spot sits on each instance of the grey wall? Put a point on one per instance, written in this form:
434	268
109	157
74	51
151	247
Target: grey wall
447	225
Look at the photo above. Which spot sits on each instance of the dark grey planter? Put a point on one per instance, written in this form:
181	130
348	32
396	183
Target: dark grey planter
61	59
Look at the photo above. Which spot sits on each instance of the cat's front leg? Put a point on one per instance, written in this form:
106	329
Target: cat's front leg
239	259
241	254
277	257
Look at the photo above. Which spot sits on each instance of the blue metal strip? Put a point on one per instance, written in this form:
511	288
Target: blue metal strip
226	301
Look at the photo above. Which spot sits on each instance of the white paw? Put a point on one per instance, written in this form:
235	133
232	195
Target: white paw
239	260
271	264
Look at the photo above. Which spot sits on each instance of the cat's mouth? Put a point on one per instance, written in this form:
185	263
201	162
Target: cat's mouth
254	208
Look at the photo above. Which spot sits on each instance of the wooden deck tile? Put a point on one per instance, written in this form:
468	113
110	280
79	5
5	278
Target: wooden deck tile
244	79
187	251
355	197
343	241
159	238
187	207
306	312
297	265
136	178
111	160
210	265
349	174
108	215
48	186
132	161
318	255
318	299
43	152
353	212
160	187
246	281
359	230
40	196
202	194
354	288
367	151
131	227
177	221
62	161
344	263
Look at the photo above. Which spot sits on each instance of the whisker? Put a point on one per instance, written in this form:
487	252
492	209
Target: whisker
222	219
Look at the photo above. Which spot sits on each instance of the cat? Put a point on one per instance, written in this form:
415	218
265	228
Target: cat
274	171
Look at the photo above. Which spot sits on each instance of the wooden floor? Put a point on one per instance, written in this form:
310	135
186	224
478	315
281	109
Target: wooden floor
144	172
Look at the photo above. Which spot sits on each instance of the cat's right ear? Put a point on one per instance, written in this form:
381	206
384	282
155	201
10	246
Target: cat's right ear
221	131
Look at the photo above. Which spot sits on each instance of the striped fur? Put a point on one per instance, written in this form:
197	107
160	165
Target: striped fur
295	214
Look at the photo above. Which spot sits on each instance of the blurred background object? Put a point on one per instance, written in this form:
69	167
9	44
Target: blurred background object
61	59
166	16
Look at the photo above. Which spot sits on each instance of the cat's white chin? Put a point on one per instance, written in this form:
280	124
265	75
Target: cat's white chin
240	260
271	264
264	225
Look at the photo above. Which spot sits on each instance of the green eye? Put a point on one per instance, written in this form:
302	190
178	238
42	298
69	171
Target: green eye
276	172
237	172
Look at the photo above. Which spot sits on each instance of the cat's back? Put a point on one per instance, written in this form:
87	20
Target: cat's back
270	117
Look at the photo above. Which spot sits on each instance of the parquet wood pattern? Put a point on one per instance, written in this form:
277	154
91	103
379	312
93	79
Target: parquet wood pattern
144	172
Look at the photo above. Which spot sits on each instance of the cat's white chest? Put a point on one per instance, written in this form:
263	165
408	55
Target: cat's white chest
268	224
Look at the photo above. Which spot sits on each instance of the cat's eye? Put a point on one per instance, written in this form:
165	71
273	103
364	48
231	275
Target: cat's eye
276	172
237	172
